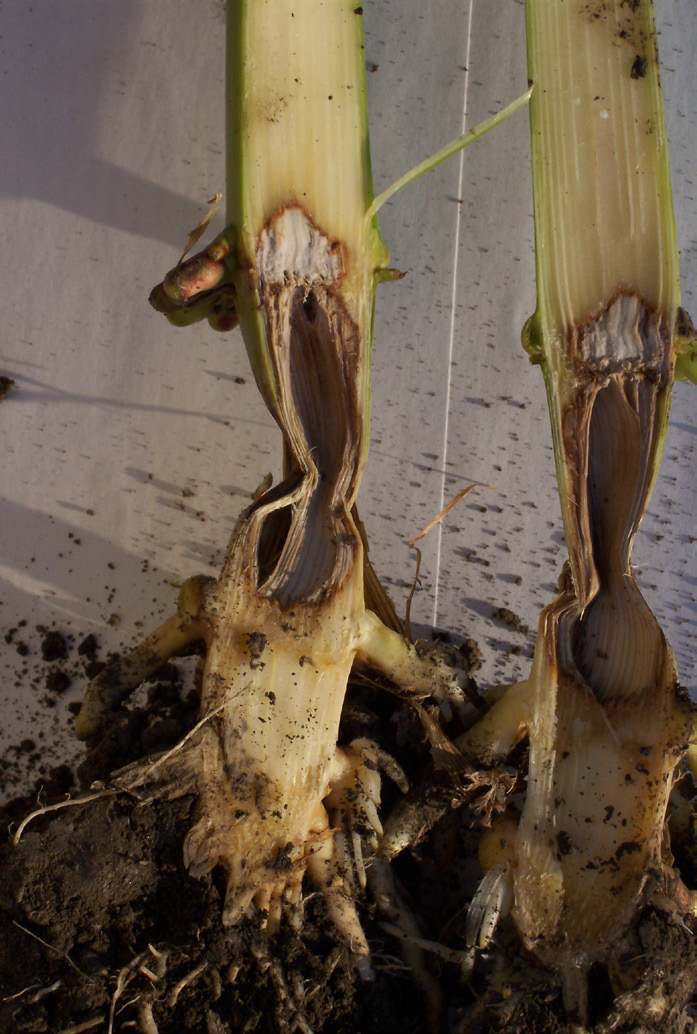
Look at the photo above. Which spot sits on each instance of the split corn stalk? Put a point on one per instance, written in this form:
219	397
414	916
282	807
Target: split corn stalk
287	620
605	716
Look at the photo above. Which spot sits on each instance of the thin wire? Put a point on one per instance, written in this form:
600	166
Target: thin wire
451	343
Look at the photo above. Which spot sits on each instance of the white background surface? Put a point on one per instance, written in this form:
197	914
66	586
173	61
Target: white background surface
129	447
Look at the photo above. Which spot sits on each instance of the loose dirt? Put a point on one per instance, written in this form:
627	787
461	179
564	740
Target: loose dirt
102	929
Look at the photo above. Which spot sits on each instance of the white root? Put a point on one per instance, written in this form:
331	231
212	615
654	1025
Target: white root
39	992
81	1028
129	972
185	981
324	870
146	1019
70	802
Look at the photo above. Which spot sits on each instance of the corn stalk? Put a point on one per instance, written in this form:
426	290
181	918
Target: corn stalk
287	620
606	719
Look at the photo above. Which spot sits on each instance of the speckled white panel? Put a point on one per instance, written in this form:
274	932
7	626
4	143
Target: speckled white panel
129	447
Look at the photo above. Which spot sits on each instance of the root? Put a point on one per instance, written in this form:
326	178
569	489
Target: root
137	775
130	971
291	1002
71	802
81	1028
39	991
403	925
146	1019
486	791
64	955
190	978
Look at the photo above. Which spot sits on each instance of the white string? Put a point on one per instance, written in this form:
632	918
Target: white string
451	343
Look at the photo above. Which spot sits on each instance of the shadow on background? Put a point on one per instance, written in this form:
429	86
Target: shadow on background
49	562
50	148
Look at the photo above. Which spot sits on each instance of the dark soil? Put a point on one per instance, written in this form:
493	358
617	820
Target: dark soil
102	929
6	386
509	618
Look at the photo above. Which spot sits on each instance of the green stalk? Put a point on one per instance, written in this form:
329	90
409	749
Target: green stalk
607	265
298	164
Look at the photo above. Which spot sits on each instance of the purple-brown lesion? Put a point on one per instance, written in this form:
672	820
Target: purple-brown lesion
613	414
314	344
